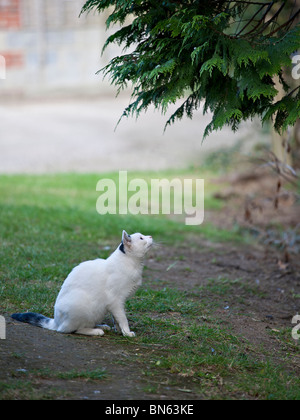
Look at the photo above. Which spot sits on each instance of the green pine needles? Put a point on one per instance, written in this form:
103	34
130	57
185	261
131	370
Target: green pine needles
219	54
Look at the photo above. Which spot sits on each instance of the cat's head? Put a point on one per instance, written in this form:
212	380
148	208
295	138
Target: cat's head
136	245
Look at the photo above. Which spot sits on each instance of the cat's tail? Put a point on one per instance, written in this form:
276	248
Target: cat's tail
37	320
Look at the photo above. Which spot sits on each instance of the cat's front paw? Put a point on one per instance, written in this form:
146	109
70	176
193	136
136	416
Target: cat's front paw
129	334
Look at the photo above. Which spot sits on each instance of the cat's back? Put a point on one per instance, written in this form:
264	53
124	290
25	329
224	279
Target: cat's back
86	273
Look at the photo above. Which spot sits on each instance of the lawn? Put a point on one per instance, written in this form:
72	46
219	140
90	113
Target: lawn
50	223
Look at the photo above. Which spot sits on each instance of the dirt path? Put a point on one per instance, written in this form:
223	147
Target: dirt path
33	349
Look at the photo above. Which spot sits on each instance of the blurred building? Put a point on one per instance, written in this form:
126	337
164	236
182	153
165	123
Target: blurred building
47	47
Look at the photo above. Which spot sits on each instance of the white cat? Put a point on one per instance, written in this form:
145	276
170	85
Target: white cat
95	288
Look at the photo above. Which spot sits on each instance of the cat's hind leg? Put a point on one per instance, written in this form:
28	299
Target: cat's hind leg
103	327
90	331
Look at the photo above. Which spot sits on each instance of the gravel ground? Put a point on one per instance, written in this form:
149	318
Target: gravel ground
78	135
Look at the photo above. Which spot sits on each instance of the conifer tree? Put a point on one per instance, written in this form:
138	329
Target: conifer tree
221	53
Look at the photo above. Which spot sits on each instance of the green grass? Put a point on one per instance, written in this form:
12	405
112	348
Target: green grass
193	344
49	224
23	390
92	375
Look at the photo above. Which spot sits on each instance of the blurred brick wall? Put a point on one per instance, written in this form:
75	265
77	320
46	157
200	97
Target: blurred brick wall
13	59
10	18
10	14
47	47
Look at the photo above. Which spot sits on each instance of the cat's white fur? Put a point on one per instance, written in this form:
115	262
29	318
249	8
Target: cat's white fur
97	287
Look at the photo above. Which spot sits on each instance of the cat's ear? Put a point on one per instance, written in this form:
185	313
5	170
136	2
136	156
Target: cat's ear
126	238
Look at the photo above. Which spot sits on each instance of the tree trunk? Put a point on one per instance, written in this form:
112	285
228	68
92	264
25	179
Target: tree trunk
281	143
